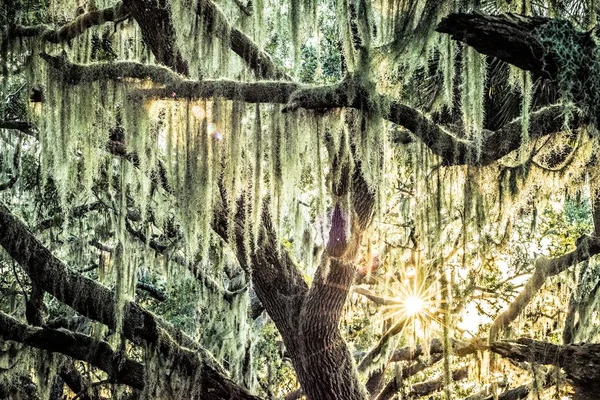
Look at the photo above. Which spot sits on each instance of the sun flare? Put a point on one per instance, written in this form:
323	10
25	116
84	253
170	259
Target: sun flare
413	305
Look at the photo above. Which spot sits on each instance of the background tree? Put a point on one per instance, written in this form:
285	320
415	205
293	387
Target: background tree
401	202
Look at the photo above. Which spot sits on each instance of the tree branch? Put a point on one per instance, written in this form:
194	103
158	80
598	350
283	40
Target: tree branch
508	37
76	345
98	302
587	246
21	126
348	93
377	299
394	385
258	60
152	290
518	393
245	8
70	30
581	362
154	20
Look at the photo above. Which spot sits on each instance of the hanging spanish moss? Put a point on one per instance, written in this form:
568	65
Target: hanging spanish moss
473	77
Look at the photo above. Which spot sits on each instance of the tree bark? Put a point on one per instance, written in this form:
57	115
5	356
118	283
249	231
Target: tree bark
154	20
581	362
76	345
97	302
508	37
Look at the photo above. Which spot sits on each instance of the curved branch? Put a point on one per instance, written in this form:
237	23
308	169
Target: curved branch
70	30
348	93
75	345
587	246
508	37
98	302
581	362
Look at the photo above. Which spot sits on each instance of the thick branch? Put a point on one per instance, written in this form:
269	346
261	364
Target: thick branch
518	393
74	74
395	384
277	280
587	246
508	37
154	19
76	345
74	380
152	290
349	93
581	362
98	303
425	388
258	60
21	126
72	29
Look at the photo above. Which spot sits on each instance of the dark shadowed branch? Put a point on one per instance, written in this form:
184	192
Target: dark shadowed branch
154	20
75	345
508	37
581	362
70	30
98	302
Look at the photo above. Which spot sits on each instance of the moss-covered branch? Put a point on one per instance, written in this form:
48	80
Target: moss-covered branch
587	246
72	29
75	345
581	362
350	92
508	37
98	302
158	32
74	74
257	59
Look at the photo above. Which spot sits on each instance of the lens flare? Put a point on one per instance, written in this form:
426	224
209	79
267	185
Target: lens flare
198	112
413	305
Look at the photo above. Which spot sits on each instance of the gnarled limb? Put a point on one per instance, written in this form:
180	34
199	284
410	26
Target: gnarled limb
72	29
581	362
154	20
75	345
98	302
348	93
587	246
508	37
